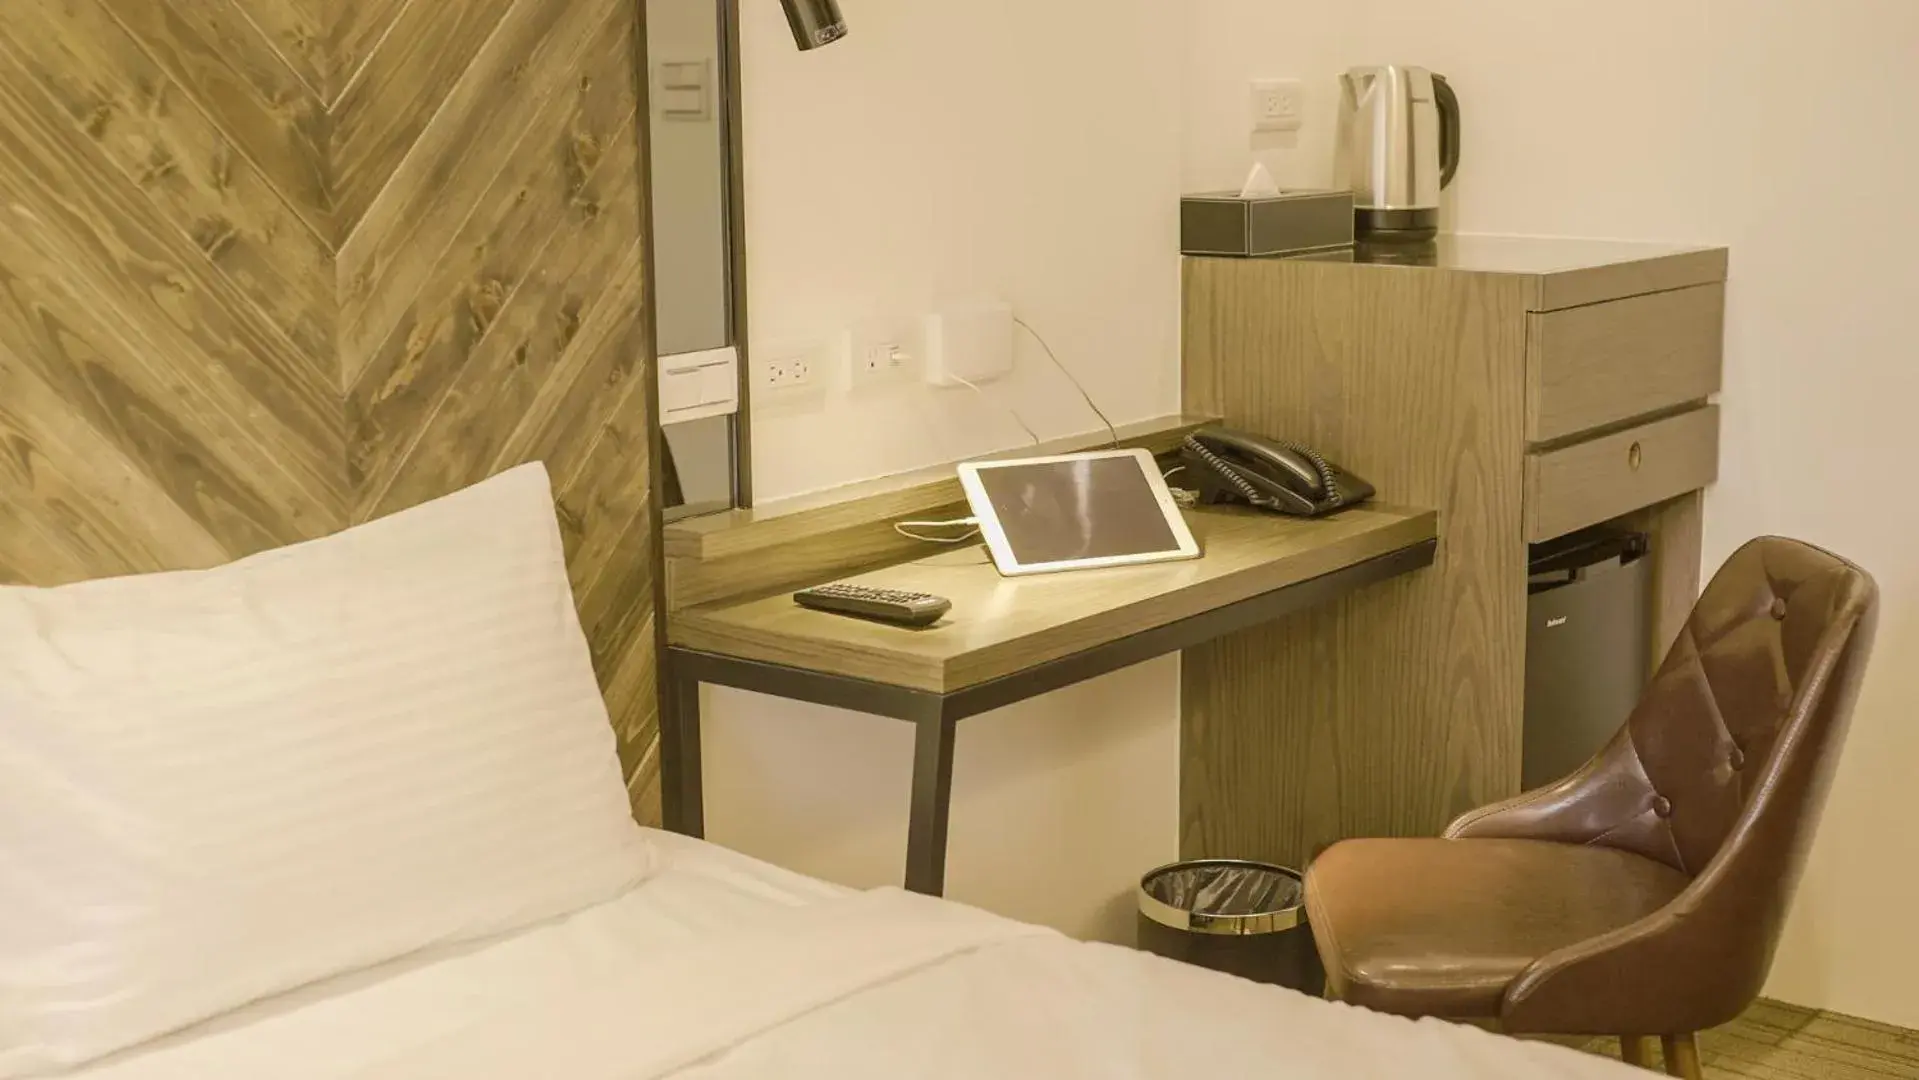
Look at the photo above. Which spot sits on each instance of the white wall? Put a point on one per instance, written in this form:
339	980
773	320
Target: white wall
995	147
1787	131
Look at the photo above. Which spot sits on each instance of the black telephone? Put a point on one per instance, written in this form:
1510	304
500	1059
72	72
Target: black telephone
1231	466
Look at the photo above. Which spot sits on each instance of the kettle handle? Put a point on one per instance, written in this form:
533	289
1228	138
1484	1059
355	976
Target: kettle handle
1448	129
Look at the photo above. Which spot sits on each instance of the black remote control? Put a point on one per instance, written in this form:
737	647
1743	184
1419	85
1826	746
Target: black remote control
884	605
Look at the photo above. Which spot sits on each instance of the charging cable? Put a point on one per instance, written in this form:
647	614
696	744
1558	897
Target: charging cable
1111	431
899	356
1185	498
987	398
905	528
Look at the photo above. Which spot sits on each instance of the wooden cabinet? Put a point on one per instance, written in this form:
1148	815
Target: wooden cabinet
1524	387
1609	476
1590	366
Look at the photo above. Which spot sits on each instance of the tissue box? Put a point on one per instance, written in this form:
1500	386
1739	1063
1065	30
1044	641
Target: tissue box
1227	223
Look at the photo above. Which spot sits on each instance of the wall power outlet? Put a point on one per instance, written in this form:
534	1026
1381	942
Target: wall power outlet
1278	104
789	371
792	375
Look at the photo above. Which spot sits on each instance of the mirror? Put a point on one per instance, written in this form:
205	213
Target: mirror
692	62
700	480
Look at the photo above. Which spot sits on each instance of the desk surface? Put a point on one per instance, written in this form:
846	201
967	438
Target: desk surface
1002	625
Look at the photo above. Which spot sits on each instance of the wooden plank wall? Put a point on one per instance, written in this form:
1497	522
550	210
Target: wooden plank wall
272	267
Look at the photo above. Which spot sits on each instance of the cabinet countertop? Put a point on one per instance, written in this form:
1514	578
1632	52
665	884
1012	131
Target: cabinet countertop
1566	271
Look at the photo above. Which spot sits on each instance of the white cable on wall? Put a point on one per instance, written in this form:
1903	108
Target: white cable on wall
1009	410
1111	431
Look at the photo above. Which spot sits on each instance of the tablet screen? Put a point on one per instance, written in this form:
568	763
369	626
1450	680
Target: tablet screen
1094	507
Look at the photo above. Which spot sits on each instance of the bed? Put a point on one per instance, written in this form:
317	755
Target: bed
723	966
352	810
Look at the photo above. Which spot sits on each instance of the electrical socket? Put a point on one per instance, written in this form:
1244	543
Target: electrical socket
878	358
782	373
1278	104
786	372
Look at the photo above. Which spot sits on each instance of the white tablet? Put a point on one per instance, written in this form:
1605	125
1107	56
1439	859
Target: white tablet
1075	511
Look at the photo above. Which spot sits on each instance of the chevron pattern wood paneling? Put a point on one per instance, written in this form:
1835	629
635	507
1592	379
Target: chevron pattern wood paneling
272	267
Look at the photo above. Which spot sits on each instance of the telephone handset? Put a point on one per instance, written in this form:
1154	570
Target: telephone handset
1231	466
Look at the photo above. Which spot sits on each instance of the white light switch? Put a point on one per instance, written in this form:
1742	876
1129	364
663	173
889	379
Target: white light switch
679	390
696	385
719	384
683	89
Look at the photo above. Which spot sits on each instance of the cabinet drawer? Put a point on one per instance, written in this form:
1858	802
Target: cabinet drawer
1600	479
1599	364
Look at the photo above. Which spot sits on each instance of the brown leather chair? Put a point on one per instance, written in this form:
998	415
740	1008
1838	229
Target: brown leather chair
1643	895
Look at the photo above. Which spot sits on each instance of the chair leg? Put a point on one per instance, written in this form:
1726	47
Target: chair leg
1635	1050
1682	1056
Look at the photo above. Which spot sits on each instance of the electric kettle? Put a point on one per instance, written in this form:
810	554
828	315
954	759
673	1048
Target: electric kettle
1398	146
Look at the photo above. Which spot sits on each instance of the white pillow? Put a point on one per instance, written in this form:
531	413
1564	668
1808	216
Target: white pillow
222	784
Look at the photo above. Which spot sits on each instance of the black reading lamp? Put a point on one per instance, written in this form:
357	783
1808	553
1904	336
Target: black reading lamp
815	22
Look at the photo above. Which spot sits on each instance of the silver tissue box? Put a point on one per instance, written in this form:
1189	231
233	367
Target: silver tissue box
1289	223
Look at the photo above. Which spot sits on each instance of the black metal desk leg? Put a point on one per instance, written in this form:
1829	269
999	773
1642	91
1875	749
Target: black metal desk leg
932	799
682	798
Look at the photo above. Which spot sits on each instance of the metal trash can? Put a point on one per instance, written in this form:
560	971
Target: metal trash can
1243	918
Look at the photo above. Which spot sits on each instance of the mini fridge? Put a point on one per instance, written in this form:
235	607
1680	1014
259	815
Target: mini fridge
1588	646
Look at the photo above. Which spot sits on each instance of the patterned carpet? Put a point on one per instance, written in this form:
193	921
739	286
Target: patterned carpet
1774	1041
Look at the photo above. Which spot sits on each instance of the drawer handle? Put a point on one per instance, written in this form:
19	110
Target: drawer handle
1634	456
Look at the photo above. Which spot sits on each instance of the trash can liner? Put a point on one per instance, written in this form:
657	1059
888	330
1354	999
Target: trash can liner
1222	896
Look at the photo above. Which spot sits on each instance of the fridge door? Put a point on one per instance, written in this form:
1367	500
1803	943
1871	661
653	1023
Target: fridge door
1588	656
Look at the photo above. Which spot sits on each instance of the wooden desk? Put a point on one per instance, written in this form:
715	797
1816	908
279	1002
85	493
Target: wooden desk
1008	639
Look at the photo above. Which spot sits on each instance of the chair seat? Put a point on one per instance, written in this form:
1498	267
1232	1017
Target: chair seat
1442	927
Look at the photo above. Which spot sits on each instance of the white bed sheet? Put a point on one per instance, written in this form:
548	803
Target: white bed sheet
333	1028
721	967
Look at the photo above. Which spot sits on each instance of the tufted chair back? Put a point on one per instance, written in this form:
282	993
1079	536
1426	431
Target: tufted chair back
1720	773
